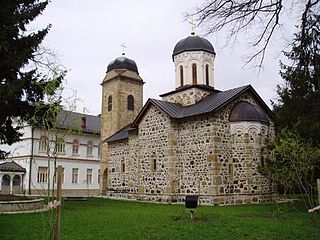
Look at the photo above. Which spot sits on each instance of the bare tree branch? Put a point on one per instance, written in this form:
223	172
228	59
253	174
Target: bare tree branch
238	16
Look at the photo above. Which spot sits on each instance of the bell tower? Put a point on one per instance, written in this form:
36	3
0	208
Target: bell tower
122	99
122	96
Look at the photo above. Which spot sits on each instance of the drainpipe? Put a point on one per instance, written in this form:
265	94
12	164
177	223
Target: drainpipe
31	159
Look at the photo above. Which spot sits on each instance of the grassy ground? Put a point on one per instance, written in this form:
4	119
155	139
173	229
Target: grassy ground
105	219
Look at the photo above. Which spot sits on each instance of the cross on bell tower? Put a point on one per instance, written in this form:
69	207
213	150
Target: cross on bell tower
124	46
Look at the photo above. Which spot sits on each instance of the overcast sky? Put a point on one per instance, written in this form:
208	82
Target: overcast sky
87	36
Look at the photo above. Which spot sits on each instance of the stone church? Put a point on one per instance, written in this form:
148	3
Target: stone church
197	140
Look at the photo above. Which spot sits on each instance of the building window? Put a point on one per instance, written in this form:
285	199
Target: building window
154	165
16	181
89	148
56	175
207	74
130	102
99	150
109	103
123	167
89	176
60	146
231	171
42	174
43	144
194	73
181	75
75	147
5	180
99	175
75	175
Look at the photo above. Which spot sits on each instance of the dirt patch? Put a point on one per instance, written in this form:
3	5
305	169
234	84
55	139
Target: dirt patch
195	218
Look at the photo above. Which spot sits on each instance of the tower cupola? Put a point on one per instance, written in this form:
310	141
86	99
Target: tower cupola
123	63
193	58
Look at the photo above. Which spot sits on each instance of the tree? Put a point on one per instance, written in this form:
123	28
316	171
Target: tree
263	17
21	83
298	104
295	165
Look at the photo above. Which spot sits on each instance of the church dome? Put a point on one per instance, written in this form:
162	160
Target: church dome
244	111
123	63
193	43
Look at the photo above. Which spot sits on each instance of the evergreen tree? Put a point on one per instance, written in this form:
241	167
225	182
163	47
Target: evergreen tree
21	84
298	105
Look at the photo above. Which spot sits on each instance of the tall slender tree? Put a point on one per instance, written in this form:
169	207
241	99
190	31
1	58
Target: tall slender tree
21	84
298	104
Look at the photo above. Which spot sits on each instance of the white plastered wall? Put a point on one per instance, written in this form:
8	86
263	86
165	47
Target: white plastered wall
186	59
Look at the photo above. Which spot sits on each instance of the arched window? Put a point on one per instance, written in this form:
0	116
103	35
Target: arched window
130	102
194	73
43	143
181	75
60	146
89	148
109	103
207	75
5	180
75	147
16	180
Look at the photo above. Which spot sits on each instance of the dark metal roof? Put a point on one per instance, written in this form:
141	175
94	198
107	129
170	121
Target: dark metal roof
185	87
122	63
74	121
121	134
244	111
209	104
193	43
11	167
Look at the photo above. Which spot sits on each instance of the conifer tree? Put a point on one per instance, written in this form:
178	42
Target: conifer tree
298	104
21	84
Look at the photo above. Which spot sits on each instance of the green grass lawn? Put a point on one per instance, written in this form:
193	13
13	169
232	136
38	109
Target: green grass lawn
100	218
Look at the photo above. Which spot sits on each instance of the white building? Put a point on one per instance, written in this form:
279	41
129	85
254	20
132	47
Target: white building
74	145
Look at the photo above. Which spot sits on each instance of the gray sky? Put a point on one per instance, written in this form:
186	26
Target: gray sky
87	36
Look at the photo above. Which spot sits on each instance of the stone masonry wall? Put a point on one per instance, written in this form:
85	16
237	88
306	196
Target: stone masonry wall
204	155
187	97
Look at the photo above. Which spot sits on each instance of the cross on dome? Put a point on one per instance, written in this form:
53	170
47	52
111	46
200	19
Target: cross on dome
193	26
124	46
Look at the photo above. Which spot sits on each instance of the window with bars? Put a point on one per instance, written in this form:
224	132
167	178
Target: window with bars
43	144
60	146
89	176
75	147
75	175
42	174
89	148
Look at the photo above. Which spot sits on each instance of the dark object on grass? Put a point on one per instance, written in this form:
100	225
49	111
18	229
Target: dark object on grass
191	201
